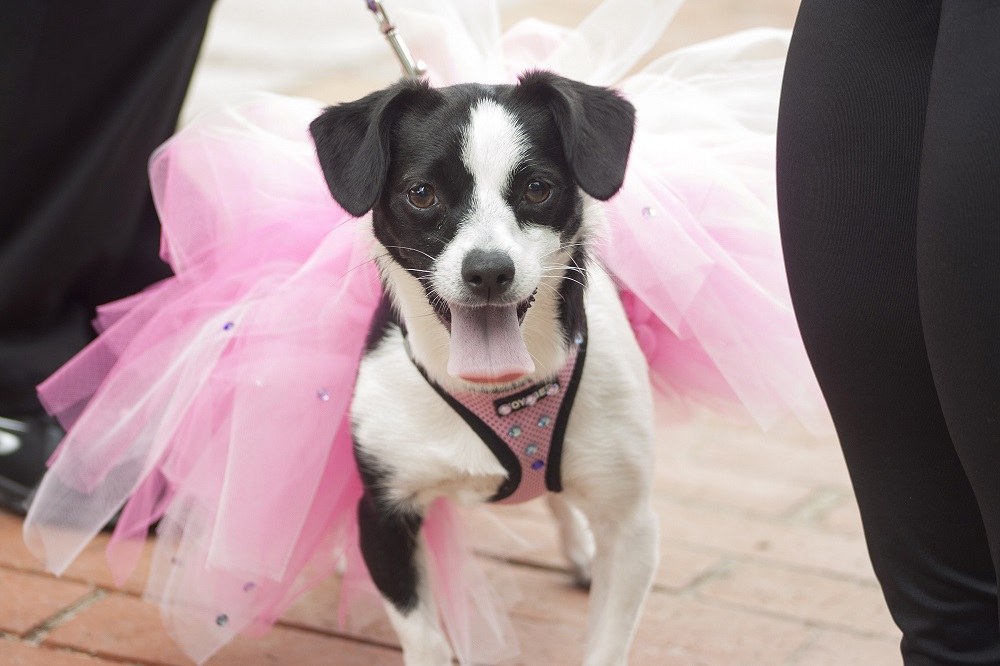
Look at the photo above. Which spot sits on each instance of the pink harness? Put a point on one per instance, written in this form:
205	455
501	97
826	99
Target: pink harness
524	428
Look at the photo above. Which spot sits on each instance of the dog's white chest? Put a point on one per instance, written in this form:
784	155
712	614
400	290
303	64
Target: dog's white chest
426	447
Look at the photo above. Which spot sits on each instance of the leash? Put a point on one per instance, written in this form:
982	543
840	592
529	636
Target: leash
413	69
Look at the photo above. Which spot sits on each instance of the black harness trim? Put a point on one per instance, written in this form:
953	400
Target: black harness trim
553	470
499	448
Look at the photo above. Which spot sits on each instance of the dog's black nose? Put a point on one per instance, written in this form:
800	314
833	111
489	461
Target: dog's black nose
487	274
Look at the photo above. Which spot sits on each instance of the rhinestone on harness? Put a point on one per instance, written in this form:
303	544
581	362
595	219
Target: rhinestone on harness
544	420
515	431
530	449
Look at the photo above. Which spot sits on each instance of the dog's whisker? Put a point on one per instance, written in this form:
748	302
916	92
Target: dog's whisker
423	316
575	264
411	249
443	344
564	277
419	278
384	255
555	292
574	267
548	271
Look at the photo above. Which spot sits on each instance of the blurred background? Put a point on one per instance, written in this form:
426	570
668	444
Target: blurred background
331	50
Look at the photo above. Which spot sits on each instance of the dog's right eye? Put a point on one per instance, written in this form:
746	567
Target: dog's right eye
536	191
421	196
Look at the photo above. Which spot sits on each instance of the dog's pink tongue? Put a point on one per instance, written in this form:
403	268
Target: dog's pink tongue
486	344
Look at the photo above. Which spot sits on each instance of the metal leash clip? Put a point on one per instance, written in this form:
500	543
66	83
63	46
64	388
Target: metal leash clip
413	69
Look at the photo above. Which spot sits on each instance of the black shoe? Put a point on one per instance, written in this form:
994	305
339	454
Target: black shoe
26	443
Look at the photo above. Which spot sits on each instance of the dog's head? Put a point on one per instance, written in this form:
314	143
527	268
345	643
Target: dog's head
478	197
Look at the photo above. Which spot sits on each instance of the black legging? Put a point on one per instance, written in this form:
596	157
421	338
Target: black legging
889	200
87	91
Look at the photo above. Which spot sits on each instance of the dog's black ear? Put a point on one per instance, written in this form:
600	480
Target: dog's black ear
352	143
596	127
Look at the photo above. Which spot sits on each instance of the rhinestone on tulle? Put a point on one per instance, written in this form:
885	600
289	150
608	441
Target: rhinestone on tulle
249	587
530	449
648	212
228	326
504	410
222	619
515	431
537	465
544	421
323	395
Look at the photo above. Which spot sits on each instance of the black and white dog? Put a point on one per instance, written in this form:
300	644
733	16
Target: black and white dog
484	215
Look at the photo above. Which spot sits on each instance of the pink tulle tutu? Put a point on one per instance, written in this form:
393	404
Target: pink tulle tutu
216	401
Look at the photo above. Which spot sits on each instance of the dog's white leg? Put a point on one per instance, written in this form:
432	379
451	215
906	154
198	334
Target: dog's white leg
421	639
576	537
624	563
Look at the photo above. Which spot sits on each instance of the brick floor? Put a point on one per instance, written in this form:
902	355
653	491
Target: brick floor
762	557
777	583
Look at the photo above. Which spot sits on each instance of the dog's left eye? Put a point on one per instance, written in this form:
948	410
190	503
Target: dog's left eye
422	196
536	191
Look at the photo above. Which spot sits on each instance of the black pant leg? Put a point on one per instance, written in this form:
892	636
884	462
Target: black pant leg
89	89
958	242
850	136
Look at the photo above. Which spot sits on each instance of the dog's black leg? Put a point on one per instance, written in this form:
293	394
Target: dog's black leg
389	545
393	550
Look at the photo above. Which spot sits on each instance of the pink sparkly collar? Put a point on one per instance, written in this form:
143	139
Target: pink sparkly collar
525	427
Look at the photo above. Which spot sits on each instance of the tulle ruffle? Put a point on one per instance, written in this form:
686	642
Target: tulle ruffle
216	400
694	236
